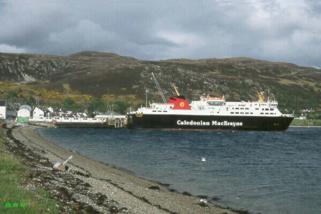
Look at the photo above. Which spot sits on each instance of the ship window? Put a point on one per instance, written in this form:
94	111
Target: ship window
242	112
256	108
261	113
246	113
251	113
215	103
154	111
266	113
237	108
266	109
236	113
271	109
246	108
242	108
232	112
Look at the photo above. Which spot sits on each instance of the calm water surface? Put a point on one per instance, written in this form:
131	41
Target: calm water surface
266	172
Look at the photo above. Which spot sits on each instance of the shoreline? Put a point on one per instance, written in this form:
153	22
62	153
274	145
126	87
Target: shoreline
304	126
110	189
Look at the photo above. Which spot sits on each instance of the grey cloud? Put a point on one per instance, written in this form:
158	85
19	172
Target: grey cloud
281	30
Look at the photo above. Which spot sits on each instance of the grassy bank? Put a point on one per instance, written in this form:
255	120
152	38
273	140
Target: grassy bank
15	194
306	122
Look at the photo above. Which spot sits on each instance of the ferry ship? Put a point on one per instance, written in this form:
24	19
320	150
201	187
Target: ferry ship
211	113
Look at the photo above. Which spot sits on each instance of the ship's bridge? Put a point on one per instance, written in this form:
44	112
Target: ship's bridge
159	107
209	102
212	99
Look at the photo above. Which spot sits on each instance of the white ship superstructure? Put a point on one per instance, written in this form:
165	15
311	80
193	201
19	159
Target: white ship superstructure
216	106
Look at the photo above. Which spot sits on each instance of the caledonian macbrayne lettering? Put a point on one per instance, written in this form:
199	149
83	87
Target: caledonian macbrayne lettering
208	123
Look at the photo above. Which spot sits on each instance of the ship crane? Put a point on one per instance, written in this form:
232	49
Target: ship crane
159	88
175	88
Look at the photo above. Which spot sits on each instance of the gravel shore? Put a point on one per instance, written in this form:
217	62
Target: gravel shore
93	187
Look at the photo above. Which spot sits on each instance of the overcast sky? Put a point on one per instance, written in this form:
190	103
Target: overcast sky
278	30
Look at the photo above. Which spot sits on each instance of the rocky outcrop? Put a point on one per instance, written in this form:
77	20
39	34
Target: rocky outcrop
29	68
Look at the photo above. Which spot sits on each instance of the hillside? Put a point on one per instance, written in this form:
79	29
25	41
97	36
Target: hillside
107	75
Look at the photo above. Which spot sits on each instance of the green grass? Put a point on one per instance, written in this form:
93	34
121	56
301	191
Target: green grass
306	122
14	197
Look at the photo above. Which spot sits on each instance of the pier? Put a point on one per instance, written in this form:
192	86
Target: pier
99	121
116	121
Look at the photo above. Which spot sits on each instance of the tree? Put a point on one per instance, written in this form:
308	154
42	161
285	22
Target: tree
70	104
121	106
12	95
96	105
30	100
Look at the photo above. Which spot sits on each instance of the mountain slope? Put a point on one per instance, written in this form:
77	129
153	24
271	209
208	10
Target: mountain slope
100	74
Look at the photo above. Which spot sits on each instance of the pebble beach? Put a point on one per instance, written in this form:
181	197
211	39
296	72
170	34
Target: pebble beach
96	187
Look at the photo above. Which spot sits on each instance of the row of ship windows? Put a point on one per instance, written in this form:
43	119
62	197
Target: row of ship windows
267	113
263	109
242	112
240	108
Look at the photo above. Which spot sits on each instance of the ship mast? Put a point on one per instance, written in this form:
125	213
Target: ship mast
146	91
159	88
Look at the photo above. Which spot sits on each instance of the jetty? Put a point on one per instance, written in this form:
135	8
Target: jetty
114	121
69	119
106	121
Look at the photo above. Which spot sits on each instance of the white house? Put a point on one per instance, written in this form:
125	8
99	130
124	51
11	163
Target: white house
3	110
23	115
38	114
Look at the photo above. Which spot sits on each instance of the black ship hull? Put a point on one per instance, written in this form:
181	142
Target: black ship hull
213	122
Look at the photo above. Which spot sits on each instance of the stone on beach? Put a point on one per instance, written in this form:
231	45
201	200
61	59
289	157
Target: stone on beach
61	166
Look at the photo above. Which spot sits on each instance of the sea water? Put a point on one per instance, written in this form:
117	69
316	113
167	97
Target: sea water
262	172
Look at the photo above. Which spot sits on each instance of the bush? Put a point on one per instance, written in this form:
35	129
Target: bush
121	106
97	105
70	104
314	115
